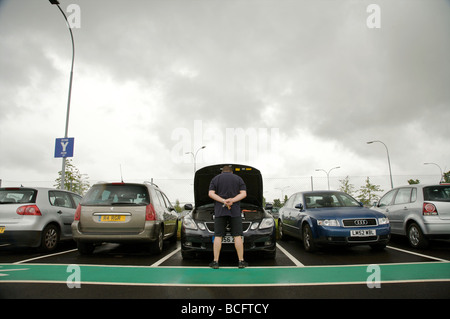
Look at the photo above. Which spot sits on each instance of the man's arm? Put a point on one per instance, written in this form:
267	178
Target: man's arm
242	194
216	197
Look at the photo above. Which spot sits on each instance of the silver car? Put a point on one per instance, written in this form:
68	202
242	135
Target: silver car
124	212
35	216
420	212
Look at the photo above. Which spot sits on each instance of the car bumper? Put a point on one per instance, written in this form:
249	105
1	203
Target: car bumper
202	241
342	236
438	228
148	234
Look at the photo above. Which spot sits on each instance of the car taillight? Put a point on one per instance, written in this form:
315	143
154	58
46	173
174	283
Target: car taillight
31	210
429	209
77	213
150	212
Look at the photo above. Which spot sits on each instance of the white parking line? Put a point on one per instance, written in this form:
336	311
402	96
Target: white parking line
45	256
292	258
417	254
159	262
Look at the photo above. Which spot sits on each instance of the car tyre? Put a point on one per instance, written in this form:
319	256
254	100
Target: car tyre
281	234
308	240
49	238
157	246
416	237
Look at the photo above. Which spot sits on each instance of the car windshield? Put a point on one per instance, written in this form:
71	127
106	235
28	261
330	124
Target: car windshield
439	193
116	194
17	195
319	200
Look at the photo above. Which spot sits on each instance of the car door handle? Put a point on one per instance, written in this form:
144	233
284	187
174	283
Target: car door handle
405	208
59	212
387	210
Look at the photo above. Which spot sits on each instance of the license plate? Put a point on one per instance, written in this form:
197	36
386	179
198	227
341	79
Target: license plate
2	229
363	233
228	239
112	218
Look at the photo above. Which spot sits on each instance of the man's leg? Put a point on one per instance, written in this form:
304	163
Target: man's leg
217	247
239	245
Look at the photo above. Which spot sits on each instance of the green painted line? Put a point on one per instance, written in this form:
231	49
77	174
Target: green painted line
319	275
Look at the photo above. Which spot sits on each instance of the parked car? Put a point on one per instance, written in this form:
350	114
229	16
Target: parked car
332	217
124	212
197	231
36	216
419	212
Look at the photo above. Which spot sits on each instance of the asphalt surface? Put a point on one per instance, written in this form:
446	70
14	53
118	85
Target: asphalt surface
130	272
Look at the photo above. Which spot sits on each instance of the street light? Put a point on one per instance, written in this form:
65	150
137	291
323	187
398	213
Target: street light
441	178
63	170
195	157
389	161
328	174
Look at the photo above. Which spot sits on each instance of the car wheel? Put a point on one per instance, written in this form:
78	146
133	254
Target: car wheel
308	240
157	246
49	238
85	248
416	237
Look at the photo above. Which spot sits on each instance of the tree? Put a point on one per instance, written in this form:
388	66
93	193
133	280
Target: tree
177	206
73	179
346	187
367	193
413	181
446	177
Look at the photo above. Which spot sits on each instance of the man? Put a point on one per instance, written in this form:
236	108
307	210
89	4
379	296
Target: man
227	190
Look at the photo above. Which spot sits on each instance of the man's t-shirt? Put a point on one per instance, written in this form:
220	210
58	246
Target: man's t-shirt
227	185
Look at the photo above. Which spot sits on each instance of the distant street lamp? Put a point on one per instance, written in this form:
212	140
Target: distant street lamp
195	157
63	170
440	169
328	174
389	161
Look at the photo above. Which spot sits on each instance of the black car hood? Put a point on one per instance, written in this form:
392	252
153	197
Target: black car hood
251	176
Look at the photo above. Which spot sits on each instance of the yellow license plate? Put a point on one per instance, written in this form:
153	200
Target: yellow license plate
2	229
112	218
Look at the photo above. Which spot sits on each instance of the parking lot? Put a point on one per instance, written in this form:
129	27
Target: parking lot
129	271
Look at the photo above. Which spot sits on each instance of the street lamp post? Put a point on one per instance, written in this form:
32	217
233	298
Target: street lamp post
195	157
66	133
328	174
389	161
440	169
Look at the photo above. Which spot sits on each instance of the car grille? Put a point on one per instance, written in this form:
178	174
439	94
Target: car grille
210	226
360	222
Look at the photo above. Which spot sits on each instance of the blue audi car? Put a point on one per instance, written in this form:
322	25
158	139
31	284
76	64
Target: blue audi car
332	217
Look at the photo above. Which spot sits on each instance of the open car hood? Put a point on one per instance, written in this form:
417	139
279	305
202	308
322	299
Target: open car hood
251	176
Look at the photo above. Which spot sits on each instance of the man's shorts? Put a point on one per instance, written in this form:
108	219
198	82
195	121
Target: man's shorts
220	225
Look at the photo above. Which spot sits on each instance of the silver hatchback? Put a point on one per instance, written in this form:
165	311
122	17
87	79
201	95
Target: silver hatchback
124	212
36	216
420	212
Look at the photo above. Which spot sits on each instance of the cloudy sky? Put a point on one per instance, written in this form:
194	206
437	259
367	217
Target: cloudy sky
287	86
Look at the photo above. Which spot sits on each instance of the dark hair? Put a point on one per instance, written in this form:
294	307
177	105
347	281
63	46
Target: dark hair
227	168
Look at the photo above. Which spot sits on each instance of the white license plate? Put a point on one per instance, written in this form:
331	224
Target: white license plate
363	233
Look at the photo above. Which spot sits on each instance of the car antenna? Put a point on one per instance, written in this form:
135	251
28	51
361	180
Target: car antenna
121	177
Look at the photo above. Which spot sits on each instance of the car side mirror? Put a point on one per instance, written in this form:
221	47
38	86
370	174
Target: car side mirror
299	206
188	207
269	206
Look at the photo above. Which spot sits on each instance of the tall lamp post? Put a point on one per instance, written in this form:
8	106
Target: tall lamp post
195	157
389	161
328	174
63	170
440	169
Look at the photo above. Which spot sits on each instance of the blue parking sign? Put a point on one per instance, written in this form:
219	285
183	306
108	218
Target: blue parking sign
64	147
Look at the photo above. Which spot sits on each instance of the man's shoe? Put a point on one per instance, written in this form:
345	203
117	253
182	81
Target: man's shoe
243	264
214	265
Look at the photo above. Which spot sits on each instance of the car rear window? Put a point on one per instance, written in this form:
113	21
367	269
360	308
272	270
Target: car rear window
437	193
17	195
116	194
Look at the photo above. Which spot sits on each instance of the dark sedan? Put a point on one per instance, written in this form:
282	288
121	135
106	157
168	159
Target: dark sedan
331	217
197	231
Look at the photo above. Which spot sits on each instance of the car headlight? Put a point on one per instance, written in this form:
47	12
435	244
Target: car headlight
189	224
328	222
383	221
266	223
